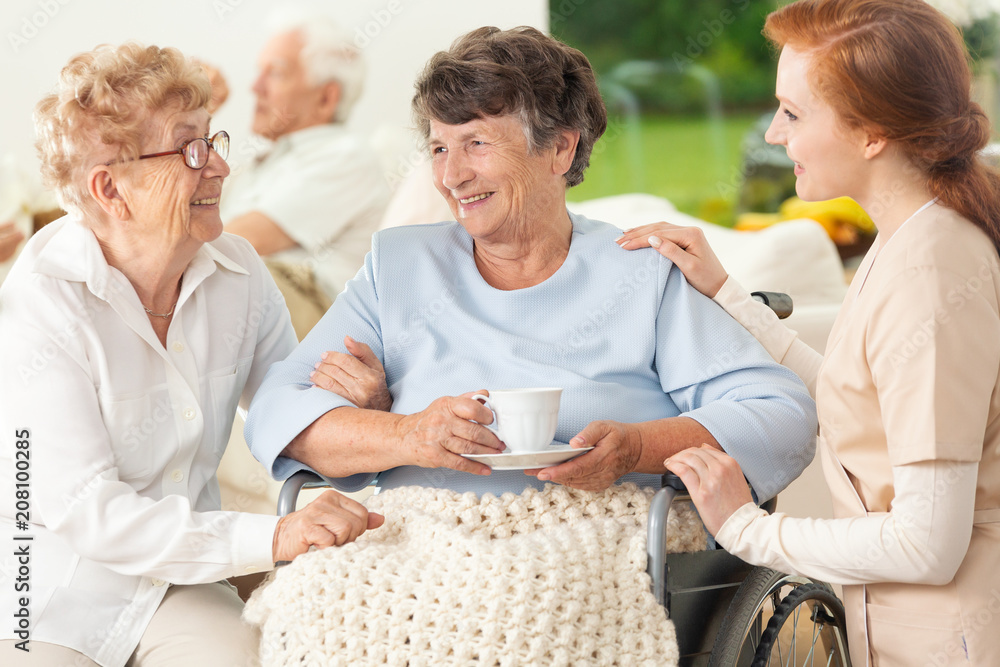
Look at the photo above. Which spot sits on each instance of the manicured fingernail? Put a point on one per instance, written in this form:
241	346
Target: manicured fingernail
324	356
655	241
316	365
543	477
577	440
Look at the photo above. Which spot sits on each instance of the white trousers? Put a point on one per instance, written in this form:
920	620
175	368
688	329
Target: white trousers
194	625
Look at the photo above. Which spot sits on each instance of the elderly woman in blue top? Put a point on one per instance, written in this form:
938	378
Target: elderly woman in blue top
519	292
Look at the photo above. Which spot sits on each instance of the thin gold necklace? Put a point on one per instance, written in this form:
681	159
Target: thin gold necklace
163	315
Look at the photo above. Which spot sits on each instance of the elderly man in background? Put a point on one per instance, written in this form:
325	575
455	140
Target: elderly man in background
310	204
10	238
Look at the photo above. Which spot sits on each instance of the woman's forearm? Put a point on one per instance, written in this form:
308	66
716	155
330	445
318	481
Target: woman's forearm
922	540
663	438
780	342
348	440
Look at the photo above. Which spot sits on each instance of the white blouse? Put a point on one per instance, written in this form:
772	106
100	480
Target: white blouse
123	435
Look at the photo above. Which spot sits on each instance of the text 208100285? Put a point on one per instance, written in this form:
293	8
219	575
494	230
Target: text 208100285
22	541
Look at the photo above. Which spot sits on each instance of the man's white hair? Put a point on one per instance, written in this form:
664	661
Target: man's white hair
328	54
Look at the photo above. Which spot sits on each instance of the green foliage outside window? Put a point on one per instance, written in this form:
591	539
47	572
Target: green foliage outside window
720	36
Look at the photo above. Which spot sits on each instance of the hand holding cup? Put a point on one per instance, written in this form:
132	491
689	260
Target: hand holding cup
526	419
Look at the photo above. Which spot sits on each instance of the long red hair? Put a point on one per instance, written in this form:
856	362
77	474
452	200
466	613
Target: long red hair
899	68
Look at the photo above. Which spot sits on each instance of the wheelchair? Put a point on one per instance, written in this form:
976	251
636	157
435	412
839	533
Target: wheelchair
726	612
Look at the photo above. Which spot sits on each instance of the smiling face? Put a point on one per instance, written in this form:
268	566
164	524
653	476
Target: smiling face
286	101
494	185
165	198
829	157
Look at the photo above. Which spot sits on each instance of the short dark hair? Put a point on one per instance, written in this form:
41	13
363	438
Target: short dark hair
493	72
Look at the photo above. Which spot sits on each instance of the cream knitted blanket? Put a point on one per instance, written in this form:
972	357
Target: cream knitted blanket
553	577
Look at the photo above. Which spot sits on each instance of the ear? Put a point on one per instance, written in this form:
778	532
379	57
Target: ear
329	100
103	189
565	151
874	146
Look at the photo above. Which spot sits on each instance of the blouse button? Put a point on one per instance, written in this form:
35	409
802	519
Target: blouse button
178	346
189	414
177	475
157	582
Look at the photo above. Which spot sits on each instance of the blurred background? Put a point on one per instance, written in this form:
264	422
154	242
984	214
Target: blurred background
690	88
689	85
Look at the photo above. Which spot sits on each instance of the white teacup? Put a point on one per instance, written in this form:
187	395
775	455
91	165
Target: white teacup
526	419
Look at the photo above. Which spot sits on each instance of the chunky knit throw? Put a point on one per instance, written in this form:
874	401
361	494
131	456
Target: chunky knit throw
552	577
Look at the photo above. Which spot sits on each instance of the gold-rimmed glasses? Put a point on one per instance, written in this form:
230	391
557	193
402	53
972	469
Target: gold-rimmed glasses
195	151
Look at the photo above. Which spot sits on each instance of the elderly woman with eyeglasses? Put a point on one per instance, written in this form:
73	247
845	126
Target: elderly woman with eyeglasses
129	332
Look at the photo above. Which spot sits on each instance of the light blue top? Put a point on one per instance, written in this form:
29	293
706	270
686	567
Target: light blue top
621	332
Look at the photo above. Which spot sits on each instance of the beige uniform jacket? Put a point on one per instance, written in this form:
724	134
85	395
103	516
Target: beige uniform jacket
911	374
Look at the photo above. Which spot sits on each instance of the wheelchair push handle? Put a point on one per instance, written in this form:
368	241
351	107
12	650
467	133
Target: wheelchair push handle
779	302
674	482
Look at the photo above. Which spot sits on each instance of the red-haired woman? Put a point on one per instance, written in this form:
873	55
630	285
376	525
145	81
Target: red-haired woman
874	104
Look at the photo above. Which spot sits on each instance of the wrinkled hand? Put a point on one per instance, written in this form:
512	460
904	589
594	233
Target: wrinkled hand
332	519
220	89
359	376
449	427
714	480
617	448
10	237
684	246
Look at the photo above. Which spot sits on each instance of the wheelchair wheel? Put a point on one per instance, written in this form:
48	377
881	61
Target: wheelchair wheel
808	627
756	604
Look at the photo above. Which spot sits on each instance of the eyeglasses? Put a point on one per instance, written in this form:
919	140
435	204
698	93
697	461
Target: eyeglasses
195	151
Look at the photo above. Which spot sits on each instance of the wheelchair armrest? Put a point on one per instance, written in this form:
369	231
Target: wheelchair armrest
303	479
656	531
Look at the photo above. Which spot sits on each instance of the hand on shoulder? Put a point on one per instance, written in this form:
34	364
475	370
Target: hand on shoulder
684	246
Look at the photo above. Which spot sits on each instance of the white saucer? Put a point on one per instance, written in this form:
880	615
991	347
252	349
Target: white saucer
524	460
